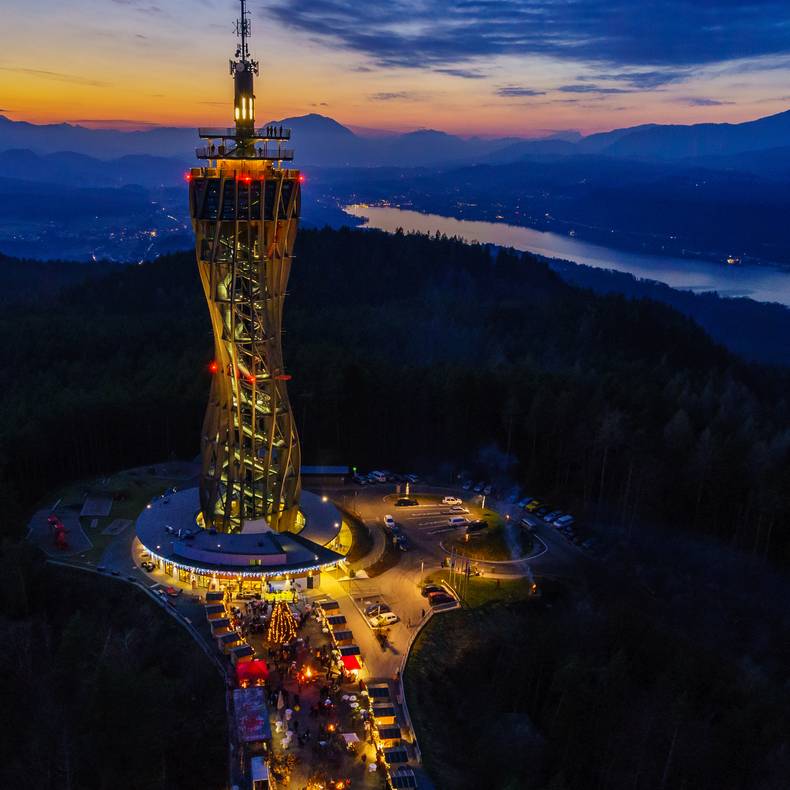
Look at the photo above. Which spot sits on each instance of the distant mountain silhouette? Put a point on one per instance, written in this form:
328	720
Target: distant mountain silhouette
322	141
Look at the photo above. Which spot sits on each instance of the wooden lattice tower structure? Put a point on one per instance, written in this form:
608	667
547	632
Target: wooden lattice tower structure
245	209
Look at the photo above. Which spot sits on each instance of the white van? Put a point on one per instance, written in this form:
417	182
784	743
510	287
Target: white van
457	521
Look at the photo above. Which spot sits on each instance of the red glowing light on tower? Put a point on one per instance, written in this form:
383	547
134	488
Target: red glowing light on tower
213	366
187	177
301	178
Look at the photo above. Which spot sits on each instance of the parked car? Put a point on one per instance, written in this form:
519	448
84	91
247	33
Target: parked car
466	485
487	490
376	609
360	480
451	500
476	526
564	521
406	502
383	619
479	487
459	509
541	511
411	478
457	521
172	592
527	524
553	516
389	522
431	588
439	598
147	565
377	477
533	505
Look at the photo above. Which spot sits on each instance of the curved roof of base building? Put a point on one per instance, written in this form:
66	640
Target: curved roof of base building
167	528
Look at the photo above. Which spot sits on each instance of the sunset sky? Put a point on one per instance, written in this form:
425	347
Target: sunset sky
515	67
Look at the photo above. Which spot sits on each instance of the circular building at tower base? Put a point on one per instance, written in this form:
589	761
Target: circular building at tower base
253	561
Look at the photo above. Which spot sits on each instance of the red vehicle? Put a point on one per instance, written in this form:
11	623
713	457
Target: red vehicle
59	531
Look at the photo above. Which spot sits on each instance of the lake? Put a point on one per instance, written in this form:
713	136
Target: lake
762	283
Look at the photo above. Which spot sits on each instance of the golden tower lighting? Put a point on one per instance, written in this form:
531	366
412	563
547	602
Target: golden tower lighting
245	208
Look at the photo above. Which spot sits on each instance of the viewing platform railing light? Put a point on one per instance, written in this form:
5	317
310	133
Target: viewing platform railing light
261	133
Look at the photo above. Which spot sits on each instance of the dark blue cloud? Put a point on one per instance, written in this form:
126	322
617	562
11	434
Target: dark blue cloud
648	34
390	96
467	74
590	88
702	101
511	91
639	80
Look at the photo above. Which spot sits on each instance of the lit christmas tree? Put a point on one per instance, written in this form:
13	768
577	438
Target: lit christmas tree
282	626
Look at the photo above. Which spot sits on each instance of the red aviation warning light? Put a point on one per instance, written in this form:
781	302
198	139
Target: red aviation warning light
213	366
301	178
187	177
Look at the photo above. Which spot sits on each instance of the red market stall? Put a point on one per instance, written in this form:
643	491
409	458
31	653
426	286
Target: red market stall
252	673
351	664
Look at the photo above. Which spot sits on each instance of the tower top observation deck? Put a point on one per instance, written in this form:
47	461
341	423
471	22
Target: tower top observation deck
244	140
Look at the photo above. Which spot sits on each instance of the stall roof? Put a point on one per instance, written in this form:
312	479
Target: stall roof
214	608
403	777
252	715
351	662
391	733
350	650
229	638
215	597
252	671
396	754
341	636
219	624
379	691
336	619
243	650
384	709
329	605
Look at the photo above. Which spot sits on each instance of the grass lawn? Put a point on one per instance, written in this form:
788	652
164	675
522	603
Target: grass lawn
131	491
477	591
492	543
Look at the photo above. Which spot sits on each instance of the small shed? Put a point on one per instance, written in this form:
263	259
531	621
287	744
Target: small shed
219	626
241	653
214	611
379	692
389	736
403	778
343	637
228	641
335	620
396	755
216	596
384	713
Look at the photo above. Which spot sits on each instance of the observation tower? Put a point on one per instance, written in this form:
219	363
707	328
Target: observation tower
244	205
